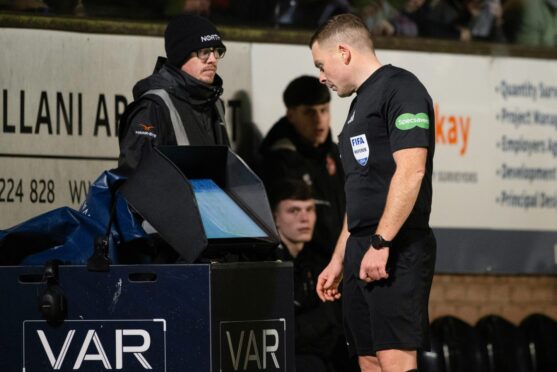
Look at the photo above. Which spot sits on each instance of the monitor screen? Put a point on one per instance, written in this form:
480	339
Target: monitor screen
221	216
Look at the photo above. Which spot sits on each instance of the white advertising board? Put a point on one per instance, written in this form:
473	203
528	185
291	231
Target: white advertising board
496	136
62	93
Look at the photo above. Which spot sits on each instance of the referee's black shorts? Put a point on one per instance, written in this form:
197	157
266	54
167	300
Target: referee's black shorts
390	313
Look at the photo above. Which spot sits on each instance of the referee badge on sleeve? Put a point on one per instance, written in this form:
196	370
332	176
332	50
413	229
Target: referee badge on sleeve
360	148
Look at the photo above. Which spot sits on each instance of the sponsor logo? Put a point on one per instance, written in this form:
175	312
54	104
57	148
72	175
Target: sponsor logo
257	345
143	133
410	121
211	37
95	345
360	148
147	127
146	130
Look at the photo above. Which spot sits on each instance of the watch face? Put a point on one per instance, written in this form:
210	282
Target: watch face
378	242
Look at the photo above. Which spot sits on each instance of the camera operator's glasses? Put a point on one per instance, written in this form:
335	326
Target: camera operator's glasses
203	54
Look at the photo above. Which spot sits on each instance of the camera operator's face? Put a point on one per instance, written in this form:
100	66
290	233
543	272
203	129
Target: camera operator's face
202	64
295	220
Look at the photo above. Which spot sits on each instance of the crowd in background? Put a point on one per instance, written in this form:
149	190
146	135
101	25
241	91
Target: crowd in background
529	22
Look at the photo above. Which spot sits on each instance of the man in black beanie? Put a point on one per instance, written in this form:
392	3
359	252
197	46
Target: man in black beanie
300	146
179	103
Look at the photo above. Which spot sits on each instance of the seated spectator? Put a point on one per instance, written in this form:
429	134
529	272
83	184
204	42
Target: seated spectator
485	20
131	9
300	146
512	18
197	7
317	324
309	13
417	12
250	12
62	6
35	6
383	19
333	7
464	20
539	23
376	14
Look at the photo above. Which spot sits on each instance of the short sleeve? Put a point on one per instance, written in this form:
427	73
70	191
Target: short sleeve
409	114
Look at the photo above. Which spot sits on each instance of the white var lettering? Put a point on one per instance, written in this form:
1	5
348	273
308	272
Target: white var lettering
99	354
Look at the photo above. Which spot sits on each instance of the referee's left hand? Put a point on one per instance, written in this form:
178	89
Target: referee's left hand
374	264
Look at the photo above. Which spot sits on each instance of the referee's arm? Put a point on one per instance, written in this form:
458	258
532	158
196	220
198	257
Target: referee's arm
401	197
403	190
329	279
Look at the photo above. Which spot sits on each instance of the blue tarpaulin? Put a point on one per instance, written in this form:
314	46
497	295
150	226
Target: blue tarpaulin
69	235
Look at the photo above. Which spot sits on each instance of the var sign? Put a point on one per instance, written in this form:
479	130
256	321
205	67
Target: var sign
253	345
95	345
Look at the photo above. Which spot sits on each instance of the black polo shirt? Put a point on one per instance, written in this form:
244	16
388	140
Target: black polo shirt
392	111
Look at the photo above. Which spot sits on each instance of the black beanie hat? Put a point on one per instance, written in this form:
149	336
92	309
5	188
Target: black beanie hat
187	33
305	90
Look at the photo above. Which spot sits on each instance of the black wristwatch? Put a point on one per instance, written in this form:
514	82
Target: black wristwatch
378	242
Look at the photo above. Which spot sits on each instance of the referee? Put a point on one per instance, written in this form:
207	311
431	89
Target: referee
386	250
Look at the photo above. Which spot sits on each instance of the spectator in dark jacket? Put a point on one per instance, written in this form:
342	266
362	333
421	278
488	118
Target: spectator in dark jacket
318	327
300	146
463	20
179	103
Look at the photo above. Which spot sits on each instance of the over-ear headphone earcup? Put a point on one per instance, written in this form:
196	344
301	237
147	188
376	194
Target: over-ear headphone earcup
52	303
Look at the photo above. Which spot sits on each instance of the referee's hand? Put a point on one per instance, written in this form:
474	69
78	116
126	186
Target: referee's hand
374	265
329	280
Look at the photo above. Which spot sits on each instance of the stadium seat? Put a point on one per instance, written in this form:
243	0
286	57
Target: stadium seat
432	360
460	344
541	334
505	344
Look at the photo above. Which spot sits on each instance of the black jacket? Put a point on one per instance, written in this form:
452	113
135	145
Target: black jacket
147	119
286	155
318	324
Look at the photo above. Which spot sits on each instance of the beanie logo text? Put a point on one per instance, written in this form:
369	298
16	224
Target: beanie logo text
210	38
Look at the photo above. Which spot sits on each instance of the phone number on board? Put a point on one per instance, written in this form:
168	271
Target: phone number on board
13	190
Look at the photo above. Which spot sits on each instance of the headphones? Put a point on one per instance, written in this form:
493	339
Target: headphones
52	302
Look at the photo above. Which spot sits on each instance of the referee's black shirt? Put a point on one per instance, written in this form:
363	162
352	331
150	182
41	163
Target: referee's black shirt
392	111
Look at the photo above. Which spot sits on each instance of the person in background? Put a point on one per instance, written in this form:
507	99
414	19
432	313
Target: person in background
466	20
318	327
538	25
198	7
380	17
300	146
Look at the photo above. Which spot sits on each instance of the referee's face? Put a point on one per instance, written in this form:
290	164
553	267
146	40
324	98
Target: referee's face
331	60
295	220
